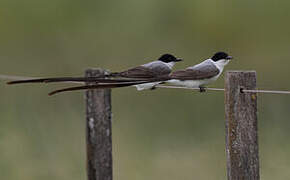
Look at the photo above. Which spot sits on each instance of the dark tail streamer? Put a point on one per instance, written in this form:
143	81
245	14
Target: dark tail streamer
97	86
99	79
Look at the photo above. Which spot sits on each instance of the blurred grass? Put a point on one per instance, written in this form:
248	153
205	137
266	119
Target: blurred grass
157	134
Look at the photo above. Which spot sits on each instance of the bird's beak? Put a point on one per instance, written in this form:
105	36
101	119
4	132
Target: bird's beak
229	58
178	60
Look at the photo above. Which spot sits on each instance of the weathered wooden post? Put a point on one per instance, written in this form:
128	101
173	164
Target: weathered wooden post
241	126
98	131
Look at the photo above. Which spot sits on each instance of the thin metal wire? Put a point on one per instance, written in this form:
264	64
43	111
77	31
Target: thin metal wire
180	87
265	91
220	89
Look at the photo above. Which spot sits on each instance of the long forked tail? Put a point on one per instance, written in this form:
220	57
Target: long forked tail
72	79
44	80
97	86
22	80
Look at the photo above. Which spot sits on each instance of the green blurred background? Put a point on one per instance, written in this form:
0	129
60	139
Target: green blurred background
163	134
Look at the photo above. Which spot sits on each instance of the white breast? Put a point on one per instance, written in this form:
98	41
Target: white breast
146	86
189	83
170	64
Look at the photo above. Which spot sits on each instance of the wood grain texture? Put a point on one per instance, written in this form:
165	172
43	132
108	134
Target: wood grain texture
98	131
241	126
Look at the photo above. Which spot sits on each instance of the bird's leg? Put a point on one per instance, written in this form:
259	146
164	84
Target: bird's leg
154	87
202	89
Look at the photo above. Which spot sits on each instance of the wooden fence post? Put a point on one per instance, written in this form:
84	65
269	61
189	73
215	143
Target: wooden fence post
98	131
241	126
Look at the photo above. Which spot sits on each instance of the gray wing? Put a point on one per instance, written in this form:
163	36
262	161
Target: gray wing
201	71
159	67
150	70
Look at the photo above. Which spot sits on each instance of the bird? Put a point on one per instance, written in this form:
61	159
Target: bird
162	66
196	76
201	74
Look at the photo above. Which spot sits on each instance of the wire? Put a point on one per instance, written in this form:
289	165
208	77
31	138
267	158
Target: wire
265	91
220	89
179	87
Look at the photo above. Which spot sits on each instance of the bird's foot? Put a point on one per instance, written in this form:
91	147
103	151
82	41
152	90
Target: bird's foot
202	89
153	88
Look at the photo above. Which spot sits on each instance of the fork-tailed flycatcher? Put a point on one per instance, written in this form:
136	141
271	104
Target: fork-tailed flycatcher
192	77
162	66
202	73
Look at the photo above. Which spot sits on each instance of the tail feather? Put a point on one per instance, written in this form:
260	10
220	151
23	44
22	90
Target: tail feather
72	79
97	86
42	80
108	78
